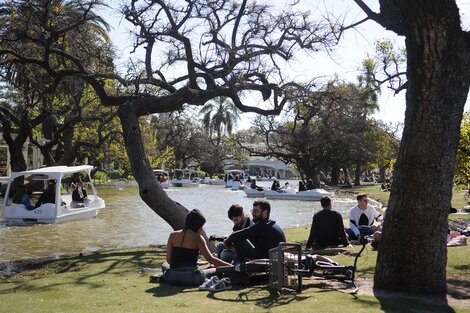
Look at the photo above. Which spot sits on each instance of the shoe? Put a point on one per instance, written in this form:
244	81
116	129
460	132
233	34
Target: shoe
222	284
208	283
156	278
375	245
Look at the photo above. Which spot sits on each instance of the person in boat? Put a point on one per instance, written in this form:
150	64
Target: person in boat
240	221
254	186
79	195
264	234
361	218
275	186
327	228
48	196
302	186
310	184
21	197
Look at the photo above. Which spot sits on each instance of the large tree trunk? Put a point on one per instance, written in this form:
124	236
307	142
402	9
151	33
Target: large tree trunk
316	178
70	153
357	175
413	250
334	174
149	188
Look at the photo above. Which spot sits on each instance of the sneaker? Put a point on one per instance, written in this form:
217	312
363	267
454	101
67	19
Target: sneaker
156	278
222	284
208	283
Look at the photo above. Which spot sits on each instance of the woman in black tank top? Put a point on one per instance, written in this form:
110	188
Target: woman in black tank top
184	245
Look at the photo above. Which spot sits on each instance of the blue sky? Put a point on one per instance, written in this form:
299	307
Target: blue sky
344	62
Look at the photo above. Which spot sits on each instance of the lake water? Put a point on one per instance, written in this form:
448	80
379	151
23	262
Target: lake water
128	222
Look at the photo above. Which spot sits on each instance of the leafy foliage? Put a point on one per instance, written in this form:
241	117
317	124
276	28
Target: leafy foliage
462	171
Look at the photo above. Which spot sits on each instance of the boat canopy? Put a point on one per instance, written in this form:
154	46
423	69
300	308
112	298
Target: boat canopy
56	172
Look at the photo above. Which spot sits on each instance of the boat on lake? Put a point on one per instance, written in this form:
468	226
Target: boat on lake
217	181
64	208
288	194
186	178
235	179
163	177
254	193
292	194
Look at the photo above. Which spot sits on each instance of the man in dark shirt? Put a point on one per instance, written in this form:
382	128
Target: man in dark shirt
264	234
327	228
240	221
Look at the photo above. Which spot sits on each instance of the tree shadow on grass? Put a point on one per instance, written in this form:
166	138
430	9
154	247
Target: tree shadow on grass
260	296
458	288
111	264
408	302
166	290
328	284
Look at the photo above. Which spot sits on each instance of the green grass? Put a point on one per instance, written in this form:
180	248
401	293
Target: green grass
117	281
373	191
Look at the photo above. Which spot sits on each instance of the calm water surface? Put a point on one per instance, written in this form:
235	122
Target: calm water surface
128	222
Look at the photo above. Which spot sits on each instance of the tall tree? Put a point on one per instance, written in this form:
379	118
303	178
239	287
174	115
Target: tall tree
321	128
219	116
462	173
49	95
438	73
207	50
369	91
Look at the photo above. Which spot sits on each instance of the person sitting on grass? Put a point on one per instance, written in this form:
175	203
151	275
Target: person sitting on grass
264	234
240	221
327	228
361	219
183	249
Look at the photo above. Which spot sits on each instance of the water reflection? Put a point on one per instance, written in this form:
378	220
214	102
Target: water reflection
128	222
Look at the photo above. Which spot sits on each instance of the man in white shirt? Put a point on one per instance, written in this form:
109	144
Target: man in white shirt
361	218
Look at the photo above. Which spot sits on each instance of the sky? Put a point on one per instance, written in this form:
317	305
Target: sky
344	62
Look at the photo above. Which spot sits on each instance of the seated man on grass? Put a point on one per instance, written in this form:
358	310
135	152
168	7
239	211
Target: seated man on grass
327	228
362	218
240	221
264	234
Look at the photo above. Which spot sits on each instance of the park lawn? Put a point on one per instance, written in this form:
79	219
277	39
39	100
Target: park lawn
373	191
117	281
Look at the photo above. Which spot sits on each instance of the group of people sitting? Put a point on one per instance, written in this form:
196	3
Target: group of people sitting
328	229
253	238
22	195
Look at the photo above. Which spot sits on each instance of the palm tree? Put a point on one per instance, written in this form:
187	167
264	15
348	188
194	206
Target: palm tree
219	116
